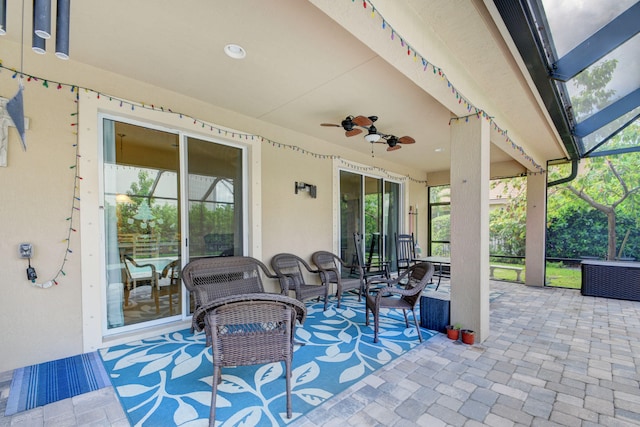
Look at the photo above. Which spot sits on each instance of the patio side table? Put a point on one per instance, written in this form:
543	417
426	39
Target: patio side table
611	279
434	310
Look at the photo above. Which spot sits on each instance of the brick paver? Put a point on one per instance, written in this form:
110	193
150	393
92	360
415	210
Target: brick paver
553	358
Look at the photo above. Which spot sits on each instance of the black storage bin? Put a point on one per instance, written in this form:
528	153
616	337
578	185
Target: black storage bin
434	311
611	279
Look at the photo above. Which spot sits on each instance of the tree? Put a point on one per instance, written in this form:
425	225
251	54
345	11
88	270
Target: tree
594	94
507	225
605	183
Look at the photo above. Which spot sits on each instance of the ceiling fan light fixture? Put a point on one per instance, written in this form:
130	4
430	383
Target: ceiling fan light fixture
372	137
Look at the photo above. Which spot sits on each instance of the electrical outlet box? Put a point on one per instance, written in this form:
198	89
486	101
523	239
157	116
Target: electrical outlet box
26	250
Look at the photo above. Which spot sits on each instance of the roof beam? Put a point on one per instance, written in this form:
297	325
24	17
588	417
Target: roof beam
607	115
598	45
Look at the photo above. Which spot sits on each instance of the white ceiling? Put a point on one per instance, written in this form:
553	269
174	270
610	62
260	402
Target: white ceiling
303	68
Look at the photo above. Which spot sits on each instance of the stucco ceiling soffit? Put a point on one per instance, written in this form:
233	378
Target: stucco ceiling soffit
425	39
524	155
359	25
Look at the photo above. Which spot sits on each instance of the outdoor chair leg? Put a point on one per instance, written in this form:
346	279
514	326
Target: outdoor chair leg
376	325
415	319
214	391
406	319
288	381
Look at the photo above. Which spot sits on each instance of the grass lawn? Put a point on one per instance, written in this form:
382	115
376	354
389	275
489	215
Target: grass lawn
557	275
563	277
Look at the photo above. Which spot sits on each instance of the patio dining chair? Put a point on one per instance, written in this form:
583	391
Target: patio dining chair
398	295
138	267
252	329
169	282
332	270
209	279
291	270
138	274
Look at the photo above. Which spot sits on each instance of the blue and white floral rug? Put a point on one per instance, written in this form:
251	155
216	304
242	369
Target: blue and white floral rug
166	381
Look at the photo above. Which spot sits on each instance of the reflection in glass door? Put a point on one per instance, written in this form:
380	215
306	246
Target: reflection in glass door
142	223
215	200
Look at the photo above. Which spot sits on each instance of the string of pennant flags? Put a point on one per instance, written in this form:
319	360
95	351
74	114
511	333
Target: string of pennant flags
438	71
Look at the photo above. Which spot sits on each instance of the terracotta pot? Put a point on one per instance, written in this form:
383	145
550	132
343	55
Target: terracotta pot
468	336
453	334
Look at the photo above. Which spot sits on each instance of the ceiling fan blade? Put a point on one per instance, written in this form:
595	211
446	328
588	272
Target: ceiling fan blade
353	132
394	148
406	140
362	121
330	124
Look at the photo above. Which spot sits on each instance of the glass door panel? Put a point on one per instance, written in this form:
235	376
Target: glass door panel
391	221
350	214
142	223
215	200
374	236
369	206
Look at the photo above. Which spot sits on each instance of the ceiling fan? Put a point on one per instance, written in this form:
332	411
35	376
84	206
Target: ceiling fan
355	126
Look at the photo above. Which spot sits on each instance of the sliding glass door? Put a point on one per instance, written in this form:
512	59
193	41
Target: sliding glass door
369	206
148	224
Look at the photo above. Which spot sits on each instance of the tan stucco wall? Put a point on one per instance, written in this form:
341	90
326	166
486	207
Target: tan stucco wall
37	189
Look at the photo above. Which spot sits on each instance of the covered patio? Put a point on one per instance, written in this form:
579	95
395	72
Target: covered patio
554	358
256	128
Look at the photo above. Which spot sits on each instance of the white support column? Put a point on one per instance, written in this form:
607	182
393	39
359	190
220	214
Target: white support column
536	229
470	225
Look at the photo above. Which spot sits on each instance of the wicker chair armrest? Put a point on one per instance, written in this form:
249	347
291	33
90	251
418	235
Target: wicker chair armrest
308	267
266	271
299	307
392	290
285	283
324	274
137	265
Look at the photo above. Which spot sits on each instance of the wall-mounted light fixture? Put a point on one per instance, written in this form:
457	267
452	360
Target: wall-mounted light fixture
301	186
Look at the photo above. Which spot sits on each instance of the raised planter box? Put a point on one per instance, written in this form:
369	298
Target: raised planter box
611	279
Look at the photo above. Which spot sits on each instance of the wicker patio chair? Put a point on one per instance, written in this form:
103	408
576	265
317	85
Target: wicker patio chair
252	329
289	269
332	268
417	277
209	279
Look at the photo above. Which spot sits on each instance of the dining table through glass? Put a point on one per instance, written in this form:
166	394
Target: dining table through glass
442	264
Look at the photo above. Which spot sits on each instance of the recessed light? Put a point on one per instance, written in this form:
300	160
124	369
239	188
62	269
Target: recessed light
235	51
439	150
